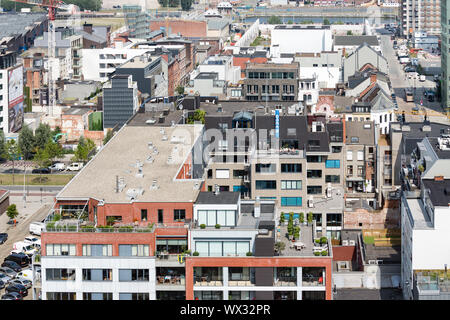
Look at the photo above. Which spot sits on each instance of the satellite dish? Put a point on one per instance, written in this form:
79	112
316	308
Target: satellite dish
180	107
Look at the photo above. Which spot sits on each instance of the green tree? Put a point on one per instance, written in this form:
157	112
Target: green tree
199	115
290	22
13	6
326	22
12	153
26	142
84	149
12	212
53	150
186	5
174	3
180	90
108	136
42	134
41	160
349	32
274	20
2	144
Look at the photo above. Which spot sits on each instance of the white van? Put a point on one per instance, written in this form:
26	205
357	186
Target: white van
36	228
75	166
422	78
36	242
59	166
24	247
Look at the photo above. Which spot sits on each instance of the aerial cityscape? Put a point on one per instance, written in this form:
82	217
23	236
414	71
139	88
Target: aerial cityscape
224	150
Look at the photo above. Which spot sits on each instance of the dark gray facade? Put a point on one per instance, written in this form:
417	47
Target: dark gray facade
119	101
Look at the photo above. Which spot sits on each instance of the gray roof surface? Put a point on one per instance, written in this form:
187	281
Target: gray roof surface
356	129
222	198
15	23
442	154
440	191
355	40
217	24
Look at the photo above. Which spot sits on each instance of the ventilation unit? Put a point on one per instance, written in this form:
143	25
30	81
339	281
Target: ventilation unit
154	185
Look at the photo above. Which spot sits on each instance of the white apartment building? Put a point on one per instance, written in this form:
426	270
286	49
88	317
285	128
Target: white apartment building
324	66
222	65
4	100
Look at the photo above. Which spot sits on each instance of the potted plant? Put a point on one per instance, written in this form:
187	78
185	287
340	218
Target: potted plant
323	240
217	226
202	226
324	253
310	218
249	254
187	252
302	218
317	253
297	232
317	241
196	254
279	246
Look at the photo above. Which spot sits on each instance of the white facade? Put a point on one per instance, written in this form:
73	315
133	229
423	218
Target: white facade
295	40
114	286
4	100
97	64
223	66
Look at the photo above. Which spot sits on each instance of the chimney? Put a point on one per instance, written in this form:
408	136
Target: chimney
373	78
87	27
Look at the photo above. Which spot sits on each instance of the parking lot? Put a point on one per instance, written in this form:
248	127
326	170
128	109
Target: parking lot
32	210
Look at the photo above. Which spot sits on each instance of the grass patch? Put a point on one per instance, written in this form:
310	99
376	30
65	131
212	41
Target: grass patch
369	240
33	179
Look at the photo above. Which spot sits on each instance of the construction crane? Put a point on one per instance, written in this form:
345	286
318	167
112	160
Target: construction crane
52	6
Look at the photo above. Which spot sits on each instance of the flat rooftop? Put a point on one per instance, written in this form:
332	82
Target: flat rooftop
119	158
389	255
281	66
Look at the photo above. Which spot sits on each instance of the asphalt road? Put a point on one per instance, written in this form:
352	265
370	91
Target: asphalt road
400	81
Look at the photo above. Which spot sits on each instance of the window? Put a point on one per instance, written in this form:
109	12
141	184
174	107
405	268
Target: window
349	170
314	190
360	170
349	155
134	296
333	164
332	178
144	214
314	159
179	214
133	275
97	296
61	295
291	184
291	201
60	250
97	274
60	274
134	250
336	149
354	139
172	246
314	174
97	250
212	217
222	248
222	174
291	167
334	219
360	155
291	131
265	167
266	184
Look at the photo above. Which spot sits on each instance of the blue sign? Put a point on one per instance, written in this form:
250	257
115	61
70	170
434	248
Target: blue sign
277	124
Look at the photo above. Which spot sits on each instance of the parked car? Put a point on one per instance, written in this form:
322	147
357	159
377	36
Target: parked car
25	282
75	166
8	271
24	247
25	274
2	284
5	278
36	228
12	296
36	242
12	265
3	238
59	166
20	289
422	78
20	258
41	170
410	69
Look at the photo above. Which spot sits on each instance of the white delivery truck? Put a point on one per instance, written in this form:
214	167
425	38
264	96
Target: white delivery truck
36	228
75	166
24	247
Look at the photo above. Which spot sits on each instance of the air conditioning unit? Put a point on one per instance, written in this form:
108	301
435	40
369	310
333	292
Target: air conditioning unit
345	242
373	262
310	203
351	242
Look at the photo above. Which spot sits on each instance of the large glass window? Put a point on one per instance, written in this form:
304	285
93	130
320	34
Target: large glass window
222	248
212	217
291	201
172	246
314	190
332	178
134	296
265	167
266	184
97	274
60	274
291	184
133	275
97	296
136	250
61	296
179	214
291	167
97	250
314	174
60	249
333	164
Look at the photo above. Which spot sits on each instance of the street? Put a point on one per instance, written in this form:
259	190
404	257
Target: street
400	81
32	210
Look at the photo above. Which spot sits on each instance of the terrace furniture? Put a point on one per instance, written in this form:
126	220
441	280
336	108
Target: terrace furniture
299	245
160	280
167	279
